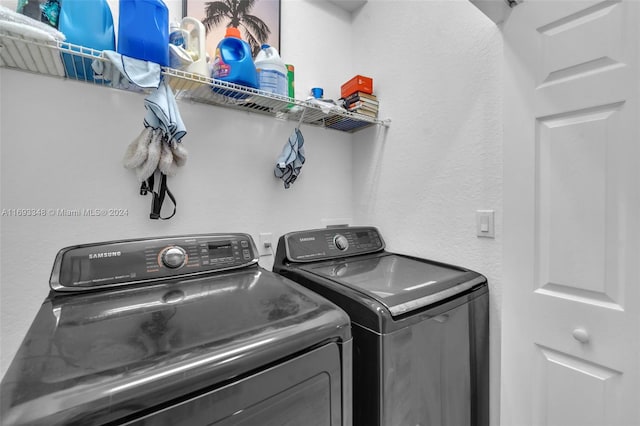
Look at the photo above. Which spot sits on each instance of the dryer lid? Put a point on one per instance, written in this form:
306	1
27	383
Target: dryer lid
400	283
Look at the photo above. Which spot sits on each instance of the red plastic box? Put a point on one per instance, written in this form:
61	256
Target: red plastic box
359	83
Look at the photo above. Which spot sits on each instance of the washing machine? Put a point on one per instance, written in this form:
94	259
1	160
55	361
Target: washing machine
184	330
420	327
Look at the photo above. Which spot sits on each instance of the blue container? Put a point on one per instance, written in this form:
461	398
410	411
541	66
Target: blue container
87	23
233	62
143	30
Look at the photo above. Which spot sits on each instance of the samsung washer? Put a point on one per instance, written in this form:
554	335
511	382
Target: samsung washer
420	328
179	331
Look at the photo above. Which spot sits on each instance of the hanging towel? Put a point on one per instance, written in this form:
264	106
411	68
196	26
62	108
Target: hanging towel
163	113
159	144
158	148
289	163
124	72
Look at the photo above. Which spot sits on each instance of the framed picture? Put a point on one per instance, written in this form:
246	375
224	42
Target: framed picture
258	21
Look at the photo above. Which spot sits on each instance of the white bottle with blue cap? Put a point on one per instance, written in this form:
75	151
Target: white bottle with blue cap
272	72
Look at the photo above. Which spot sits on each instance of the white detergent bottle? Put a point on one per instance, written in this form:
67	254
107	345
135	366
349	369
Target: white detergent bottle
195	45
272	72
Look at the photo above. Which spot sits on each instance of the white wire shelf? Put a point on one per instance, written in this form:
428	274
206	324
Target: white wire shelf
65	60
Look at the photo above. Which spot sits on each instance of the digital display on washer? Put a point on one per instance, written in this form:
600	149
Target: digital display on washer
220	249
363	237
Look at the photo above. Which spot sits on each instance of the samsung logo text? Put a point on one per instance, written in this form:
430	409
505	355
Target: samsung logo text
105	254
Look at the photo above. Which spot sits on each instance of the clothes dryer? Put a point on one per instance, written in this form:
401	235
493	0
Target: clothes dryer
420	327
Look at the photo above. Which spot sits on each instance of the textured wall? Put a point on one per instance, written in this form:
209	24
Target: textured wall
436	69
61	143
437	73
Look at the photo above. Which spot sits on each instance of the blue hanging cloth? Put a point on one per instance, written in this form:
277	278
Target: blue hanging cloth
289	163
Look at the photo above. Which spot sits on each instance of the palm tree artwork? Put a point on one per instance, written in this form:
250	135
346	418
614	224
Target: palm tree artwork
237	13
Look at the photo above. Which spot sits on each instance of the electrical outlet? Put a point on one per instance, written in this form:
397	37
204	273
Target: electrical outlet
265	244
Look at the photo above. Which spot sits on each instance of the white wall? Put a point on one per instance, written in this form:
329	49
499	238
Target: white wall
437	72
61	144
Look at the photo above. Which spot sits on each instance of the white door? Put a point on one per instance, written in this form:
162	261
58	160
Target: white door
571	321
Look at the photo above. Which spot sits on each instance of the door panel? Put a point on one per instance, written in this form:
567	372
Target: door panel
575	260
571	319
582	43
558	375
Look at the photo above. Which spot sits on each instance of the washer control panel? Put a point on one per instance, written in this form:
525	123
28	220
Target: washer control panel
95	266
320	244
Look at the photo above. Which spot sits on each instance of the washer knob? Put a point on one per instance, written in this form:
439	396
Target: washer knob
173	257
341	242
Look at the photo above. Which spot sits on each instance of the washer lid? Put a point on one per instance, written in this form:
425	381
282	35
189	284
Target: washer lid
109	352
400	283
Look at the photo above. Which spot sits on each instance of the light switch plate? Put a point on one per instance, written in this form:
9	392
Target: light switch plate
485	223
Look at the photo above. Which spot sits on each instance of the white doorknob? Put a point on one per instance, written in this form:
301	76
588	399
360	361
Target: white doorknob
581	335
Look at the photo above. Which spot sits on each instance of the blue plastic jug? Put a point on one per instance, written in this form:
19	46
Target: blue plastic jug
233	62
87	23
143	30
